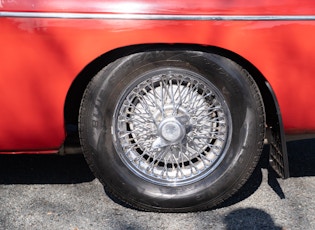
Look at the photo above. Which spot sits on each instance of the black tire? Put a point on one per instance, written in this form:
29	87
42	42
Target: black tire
188	149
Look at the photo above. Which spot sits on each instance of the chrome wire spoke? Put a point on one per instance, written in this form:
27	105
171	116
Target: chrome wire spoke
172	128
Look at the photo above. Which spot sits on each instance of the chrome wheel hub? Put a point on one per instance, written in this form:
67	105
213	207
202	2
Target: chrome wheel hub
171	130
172	127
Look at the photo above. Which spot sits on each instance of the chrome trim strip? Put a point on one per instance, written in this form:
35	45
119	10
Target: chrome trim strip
112	16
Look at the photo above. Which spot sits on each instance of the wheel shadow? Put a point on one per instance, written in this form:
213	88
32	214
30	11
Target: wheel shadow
249	218
44	169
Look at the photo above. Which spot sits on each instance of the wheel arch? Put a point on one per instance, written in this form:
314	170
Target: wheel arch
275	131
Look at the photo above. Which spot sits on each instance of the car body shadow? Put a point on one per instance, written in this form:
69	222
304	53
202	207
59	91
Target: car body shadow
54	169
44	169
302	158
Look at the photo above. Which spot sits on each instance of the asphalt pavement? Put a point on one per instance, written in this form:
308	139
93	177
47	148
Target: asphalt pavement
55	192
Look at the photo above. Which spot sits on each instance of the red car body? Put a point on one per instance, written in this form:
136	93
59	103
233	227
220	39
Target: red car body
46	46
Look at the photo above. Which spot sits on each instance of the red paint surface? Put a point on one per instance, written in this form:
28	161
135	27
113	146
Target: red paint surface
39	58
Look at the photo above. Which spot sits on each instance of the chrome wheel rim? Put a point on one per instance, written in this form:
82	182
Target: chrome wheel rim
171	127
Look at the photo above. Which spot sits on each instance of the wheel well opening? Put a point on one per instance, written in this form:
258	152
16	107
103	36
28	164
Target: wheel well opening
75	93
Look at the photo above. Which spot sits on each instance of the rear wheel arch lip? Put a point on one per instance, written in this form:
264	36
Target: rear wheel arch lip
80	82
75	93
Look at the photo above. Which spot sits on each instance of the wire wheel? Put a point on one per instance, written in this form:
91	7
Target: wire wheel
172	131
171	127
